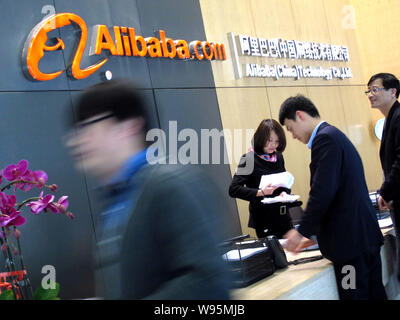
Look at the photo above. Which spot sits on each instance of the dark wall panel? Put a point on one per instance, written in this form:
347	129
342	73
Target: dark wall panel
181	19
197	109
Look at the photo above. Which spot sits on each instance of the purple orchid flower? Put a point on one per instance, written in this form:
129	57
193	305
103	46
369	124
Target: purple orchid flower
62	204
38	177
43	203
13	219
20	172
16	171
9	216
6	201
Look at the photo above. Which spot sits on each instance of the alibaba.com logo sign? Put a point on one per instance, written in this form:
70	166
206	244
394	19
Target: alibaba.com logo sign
125	43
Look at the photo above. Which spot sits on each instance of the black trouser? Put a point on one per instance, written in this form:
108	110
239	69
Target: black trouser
367	284
277	232
276	221
395	215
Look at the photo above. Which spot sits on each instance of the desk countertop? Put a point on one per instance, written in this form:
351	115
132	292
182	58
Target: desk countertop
283	280
312	280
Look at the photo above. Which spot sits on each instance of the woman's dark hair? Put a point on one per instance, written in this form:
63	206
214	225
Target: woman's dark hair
388	81
293	104
263	133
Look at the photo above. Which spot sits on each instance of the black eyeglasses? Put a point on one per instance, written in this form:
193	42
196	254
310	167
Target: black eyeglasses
374	90
80	126
89	122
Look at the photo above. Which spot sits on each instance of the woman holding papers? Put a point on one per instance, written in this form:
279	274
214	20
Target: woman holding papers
264	158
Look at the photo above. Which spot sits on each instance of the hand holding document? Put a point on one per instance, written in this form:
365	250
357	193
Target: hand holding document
302	246
283	179
295	242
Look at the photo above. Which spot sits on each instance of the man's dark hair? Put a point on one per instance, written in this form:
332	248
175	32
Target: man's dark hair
293	104
389	81
263	133
120	98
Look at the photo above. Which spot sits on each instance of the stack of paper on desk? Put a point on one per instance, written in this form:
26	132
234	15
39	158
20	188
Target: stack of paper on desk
283	179
283	198
385	223
234	255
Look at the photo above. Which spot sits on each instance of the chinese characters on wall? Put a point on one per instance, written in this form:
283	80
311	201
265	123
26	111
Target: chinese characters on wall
289	49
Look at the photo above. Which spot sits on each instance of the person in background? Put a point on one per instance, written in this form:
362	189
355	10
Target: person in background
383	92
339	210
268	143
157	235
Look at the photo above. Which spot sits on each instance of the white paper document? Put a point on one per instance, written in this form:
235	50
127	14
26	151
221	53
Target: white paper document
282	242
283	198
283	179
385	223
234	255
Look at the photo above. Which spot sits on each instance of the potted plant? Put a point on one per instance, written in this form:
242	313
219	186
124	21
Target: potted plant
14	282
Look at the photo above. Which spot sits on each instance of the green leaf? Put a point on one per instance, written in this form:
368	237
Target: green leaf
47	294
7	295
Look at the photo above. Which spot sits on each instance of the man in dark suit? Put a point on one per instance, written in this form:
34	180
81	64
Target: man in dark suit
383	91
339	210
157	235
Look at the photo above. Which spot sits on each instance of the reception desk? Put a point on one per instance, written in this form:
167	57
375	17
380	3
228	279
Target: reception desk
316	280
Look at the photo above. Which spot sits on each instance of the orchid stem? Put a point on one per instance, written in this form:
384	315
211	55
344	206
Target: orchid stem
20	205
8	269
21	259
7	186
9	262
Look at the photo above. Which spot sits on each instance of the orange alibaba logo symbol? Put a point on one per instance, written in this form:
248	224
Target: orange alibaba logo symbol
35	47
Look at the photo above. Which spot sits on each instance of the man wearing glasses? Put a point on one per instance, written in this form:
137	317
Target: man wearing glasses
383	91
156	237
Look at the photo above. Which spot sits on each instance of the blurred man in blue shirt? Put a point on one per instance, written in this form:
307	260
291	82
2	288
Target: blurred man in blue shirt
157	233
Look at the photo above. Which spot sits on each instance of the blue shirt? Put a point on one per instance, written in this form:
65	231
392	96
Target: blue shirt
120	193
131	166
309	144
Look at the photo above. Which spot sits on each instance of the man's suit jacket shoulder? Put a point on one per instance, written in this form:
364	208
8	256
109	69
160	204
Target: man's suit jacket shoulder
327	131
390	155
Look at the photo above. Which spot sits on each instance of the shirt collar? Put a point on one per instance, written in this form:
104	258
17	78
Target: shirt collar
309	144
130	167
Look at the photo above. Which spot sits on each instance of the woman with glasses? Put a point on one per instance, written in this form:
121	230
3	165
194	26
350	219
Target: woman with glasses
268	143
